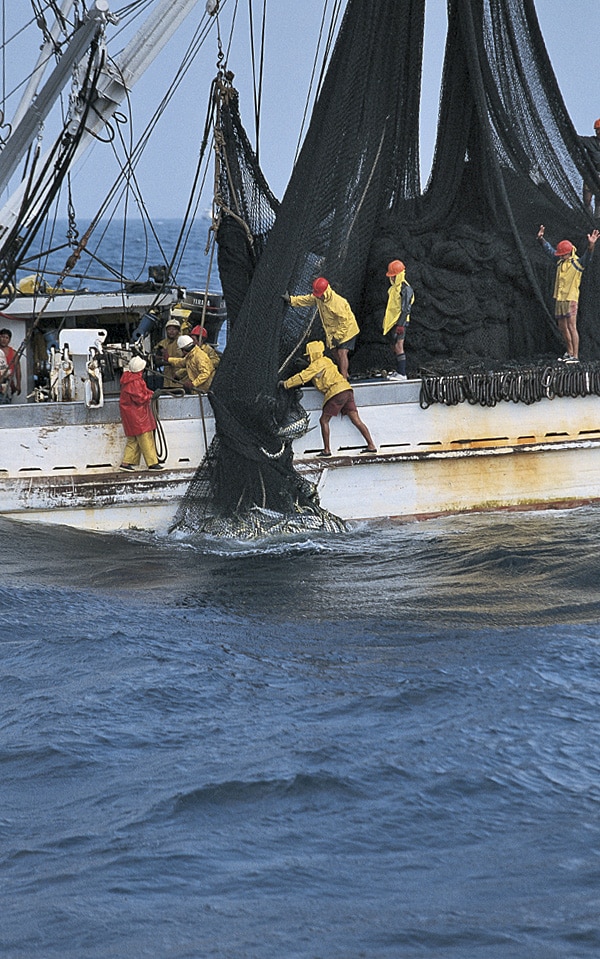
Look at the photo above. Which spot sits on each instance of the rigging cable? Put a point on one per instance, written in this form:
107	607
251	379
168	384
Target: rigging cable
116	191
331	33
51	226
192	204
231	31
257	87
189	56
3	59
195	44
41	195
68	143
61	167
41	65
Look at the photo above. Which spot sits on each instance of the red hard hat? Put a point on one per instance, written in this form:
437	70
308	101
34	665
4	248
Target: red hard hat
319	286
395	268
597	125
563	248
199	331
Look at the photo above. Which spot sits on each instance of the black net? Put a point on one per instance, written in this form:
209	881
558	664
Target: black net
246	206
507	159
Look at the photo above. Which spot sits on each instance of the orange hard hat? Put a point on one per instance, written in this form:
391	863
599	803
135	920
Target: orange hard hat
597	125
563	248
395	268
319	286
199	331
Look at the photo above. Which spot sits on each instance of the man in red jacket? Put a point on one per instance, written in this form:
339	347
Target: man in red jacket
13	375
138	422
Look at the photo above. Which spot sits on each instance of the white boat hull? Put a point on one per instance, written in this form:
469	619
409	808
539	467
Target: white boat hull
432	484
59	463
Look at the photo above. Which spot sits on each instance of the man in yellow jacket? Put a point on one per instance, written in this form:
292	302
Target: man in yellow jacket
200	338
569	270
339	322
397	314
198	367
166	349
339	395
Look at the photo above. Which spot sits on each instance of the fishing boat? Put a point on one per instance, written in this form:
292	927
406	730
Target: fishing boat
63	430
464	432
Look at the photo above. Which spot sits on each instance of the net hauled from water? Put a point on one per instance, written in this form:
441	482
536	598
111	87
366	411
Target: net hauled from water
507	159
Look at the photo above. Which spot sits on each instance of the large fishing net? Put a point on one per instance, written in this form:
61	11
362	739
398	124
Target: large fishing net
245	206
507	159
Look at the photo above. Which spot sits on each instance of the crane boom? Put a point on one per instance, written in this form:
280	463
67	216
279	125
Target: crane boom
115	83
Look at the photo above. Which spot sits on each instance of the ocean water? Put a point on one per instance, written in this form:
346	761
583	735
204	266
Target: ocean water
129	248
379	744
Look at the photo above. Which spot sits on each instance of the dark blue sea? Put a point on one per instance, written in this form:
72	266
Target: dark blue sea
379	744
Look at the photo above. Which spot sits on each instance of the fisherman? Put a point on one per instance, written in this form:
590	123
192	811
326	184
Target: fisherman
137	418
5	396
165	350
198	368
200	338
592	147
178	312
339	395
13	374
339	322
569	270
397	315
199	335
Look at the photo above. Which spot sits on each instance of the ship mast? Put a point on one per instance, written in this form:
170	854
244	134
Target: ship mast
116	79
46	51
32	120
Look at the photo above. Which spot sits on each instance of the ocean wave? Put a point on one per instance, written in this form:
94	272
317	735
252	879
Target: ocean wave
275	545
234	792
468	571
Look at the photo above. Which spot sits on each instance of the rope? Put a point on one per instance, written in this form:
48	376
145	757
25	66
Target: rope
203	421
162	450
521	385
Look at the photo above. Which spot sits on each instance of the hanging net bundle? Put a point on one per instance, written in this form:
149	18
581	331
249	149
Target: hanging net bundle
507	159
246	206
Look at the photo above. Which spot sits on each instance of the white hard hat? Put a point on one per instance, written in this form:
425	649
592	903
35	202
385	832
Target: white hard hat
136	364
184	342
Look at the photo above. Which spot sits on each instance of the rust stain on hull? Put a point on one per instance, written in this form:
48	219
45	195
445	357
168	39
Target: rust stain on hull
441	482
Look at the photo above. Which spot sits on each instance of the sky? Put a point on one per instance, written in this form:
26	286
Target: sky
571	31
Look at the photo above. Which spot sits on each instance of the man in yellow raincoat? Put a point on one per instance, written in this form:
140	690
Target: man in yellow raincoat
197	365
397	314
200	338
339	395
165	350
339	322
569	270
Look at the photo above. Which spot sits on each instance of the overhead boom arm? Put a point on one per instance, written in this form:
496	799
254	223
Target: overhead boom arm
115	82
